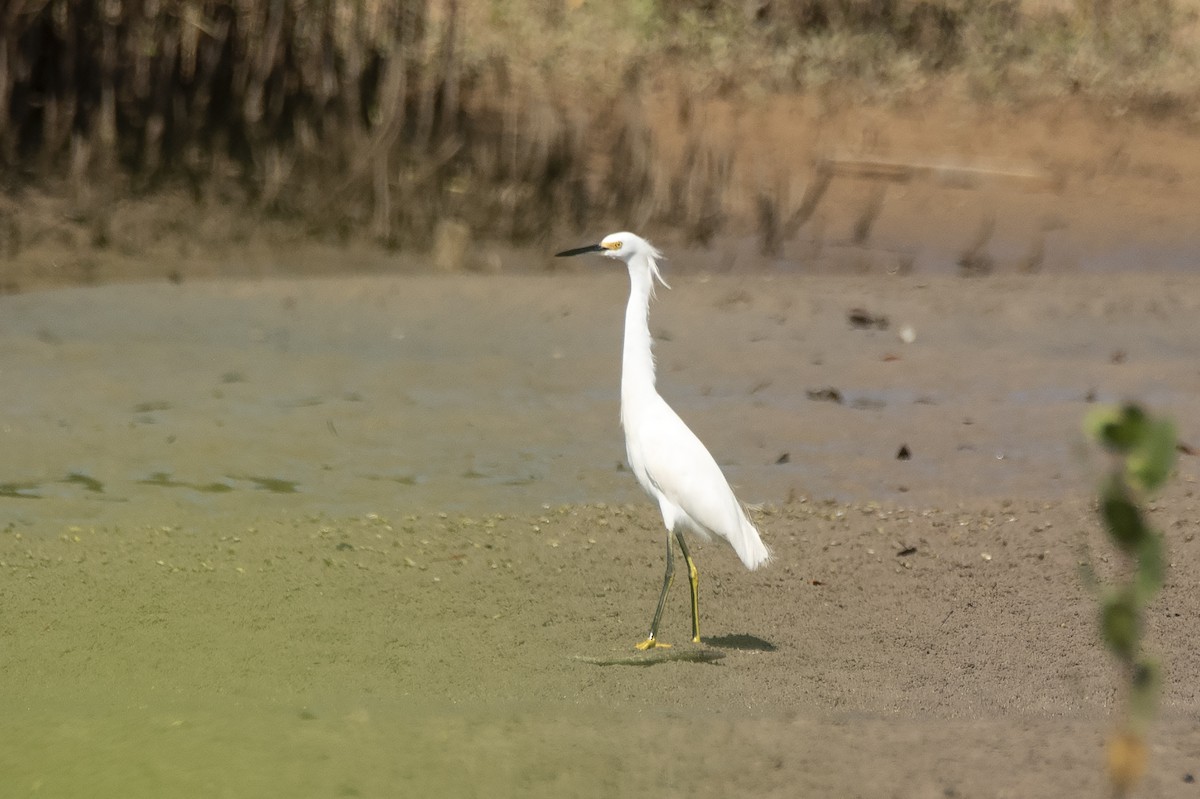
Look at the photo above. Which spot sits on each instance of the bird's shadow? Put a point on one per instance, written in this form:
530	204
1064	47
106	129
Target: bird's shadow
742	642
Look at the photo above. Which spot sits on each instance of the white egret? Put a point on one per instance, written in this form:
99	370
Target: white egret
667	458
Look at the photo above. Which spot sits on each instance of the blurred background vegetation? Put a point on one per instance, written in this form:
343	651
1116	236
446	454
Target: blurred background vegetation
375	120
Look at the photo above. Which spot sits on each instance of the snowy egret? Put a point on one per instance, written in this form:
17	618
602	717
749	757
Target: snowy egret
667	458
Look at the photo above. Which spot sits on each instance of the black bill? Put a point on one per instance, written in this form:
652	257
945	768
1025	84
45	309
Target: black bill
580	251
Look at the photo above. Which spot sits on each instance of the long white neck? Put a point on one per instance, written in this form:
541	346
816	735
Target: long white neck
637	364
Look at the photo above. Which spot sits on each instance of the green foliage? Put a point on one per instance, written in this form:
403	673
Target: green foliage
1124	519
1149	576
1148	445
1120	623
1144	449
1150	462
1144	690
1115	428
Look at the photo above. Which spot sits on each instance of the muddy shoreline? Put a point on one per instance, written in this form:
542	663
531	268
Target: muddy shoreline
350	534
362	394
283	517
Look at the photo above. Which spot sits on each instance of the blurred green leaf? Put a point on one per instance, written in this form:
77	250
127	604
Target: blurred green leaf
1118	429
1151	566
1147	446
1119	621
1152	455
1122	517
1145	690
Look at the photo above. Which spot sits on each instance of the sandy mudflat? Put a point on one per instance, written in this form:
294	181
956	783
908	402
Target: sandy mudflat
348	537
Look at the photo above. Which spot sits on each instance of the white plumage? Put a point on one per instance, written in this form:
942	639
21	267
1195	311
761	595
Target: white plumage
669	461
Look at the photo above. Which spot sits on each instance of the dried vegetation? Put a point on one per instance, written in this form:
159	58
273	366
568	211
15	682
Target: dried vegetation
380	119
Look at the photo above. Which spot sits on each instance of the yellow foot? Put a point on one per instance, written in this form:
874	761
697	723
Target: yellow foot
651	643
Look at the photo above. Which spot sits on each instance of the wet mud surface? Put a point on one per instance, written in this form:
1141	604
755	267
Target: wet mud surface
370	533
374	536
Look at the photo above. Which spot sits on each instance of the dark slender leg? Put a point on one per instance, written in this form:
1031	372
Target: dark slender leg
652	640
693	583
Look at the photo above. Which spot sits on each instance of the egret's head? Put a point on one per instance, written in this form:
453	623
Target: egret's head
625	246
635	251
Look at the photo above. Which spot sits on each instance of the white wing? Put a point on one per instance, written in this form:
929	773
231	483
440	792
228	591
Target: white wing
664	452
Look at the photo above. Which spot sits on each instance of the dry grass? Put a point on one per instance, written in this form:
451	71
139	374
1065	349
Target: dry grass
515	119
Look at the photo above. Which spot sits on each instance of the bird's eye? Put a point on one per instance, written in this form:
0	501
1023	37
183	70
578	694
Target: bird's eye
616	245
